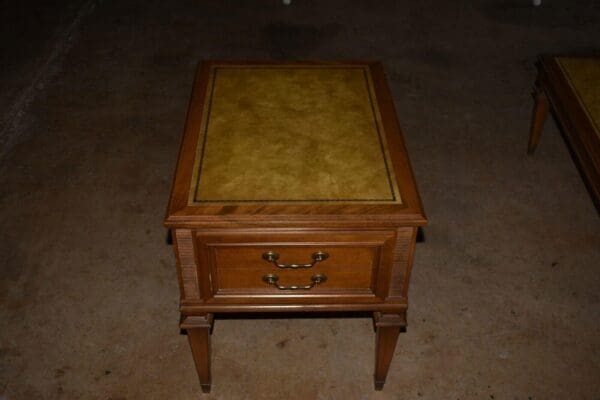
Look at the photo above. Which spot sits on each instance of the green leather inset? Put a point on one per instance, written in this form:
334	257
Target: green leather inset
584	76
292	133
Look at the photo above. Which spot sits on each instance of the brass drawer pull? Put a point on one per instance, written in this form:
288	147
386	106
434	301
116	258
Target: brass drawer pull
272	279
272	257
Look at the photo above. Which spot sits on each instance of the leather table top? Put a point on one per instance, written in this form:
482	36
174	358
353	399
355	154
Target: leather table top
292	133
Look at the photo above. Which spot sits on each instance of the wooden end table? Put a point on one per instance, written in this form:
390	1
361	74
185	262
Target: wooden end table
293	193
570	88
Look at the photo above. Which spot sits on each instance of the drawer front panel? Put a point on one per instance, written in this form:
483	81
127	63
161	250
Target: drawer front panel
346	266
294	264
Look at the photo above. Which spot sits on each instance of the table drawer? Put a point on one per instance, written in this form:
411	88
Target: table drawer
297	264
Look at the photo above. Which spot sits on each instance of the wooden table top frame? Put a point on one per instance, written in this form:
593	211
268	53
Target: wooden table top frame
554	92
223	249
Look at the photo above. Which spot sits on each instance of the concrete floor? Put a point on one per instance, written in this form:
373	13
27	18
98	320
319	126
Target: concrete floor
504	295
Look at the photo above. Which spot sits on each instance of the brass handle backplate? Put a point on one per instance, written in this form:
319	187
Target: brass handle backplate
272	257
273	279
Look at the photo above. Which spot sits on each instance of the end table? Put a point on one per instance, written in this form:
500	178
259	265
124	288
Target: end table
293	193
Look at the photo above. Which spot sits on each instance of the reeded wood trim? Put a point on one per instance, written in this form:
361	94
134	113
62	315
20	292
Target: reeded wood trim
188	271
401	264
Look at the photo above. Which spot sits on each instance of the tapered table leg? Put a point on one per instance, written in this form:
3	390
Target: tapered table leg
540	113
387	326
198	331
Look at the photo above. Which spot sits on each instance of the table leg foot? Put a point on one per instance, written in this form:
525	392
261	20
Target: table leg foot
198	329
388	327
540	113
205	388
420	235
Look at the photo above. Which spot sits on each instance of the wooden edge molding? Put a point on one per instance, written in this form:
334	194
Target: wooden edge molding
292	307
